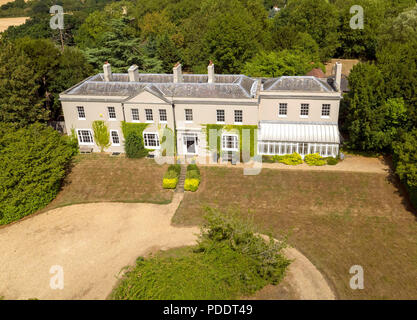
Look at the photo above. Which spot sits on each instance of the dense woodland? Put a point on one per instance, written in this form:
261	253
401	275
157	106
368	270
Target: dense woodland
378	115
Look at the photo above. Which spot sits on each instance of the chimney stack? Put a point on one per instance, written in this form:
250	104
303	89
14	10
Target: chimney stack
177	73
338	76
210	72
133	73
107	71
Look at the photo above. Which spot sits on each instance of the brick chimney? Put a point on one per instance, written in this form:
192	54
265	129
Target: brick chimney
177	73
133	73
210	72
107	71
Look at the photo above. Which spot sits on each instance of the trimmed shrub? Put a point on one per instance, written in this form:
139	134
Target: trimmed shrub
33	163
332	161
289	159
134	147
192	174
191	184
170	179
191	167
176	168
314	159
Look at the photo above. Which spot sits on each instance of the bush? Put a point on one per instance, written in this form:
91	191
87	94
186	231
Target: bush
176	168
332	161
134	147
170	179
229	262
193	167
314	159
289	159
33	163
268	159
191	184
192	174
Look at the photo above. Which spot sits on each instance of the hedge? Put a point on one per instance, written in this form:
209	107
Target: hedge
170	179
314	159
33	163
289	159
192	178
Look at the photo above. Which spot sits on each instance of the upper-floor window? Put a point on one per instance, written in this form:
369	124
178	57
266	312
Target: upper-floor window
115	137
230	142
238	116
81	113
151	140
220	115
188	114
325	110
162	115
85	137
282	110
149	115
112	112
135	114
304	110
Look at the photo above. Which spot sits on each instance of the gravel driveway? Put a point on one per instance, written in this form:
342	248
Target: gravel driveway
91	242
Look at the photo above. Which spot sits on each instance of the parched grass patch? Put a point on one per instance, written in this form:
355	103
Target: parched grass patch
229	262
337	219
100	177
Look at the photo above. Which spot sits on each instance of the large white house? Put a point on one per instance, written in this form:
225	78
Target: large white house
292	113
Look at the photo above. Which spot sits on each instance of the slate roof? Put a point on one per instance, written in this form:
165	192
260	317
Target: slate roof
297	83
193	85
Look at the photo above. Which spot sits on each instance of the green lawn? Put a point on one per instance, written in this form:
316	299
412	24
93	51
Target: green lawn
337	219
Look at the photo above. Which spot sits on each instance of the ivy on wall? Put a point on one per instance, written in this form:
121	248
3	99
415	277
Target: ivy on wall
133	127
236	129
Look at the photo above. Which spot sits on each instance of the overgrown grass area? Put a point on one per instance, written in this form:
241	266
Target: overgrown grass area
337	219
229	262
100	177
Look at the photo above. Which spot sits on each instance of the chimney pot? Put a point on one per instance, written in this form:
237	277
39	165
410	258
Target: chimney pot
107	71
177	73
133	73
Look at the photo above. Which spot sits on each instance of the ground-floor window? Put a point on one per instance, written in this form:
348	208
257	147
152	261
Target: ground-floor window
115	140
230	142
85	136
151	140
303	148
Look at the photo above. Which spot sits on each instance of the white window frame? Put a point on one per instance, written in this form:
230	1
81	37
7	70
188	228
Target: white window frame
282	115
85	143
236	142
217	116
131	111
327	105
187	120
146	115
192	136
301	110
111	137
160	116
109	113
78	112
241	117
158	146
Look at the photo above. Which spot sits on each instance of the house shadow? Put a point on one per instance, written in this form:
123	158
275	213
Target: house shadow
400	188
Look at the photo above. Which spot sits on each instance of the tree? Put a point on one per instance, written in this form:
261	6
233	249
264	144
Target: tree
318	18
276	64
134	147
33	163
101	135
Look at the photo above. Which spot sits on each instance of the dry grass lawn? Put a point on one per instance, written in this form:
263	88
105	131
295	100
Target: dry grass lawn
7	22
337	219
96	178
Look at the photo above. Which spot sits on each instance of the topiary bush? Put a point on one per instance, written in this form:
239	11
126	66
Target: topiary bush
176	168
170	180
192	178
289	159
134	147
33	163
314	159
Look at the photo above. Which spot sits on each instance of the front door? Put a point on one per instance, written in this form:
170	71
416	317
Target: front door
190	144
